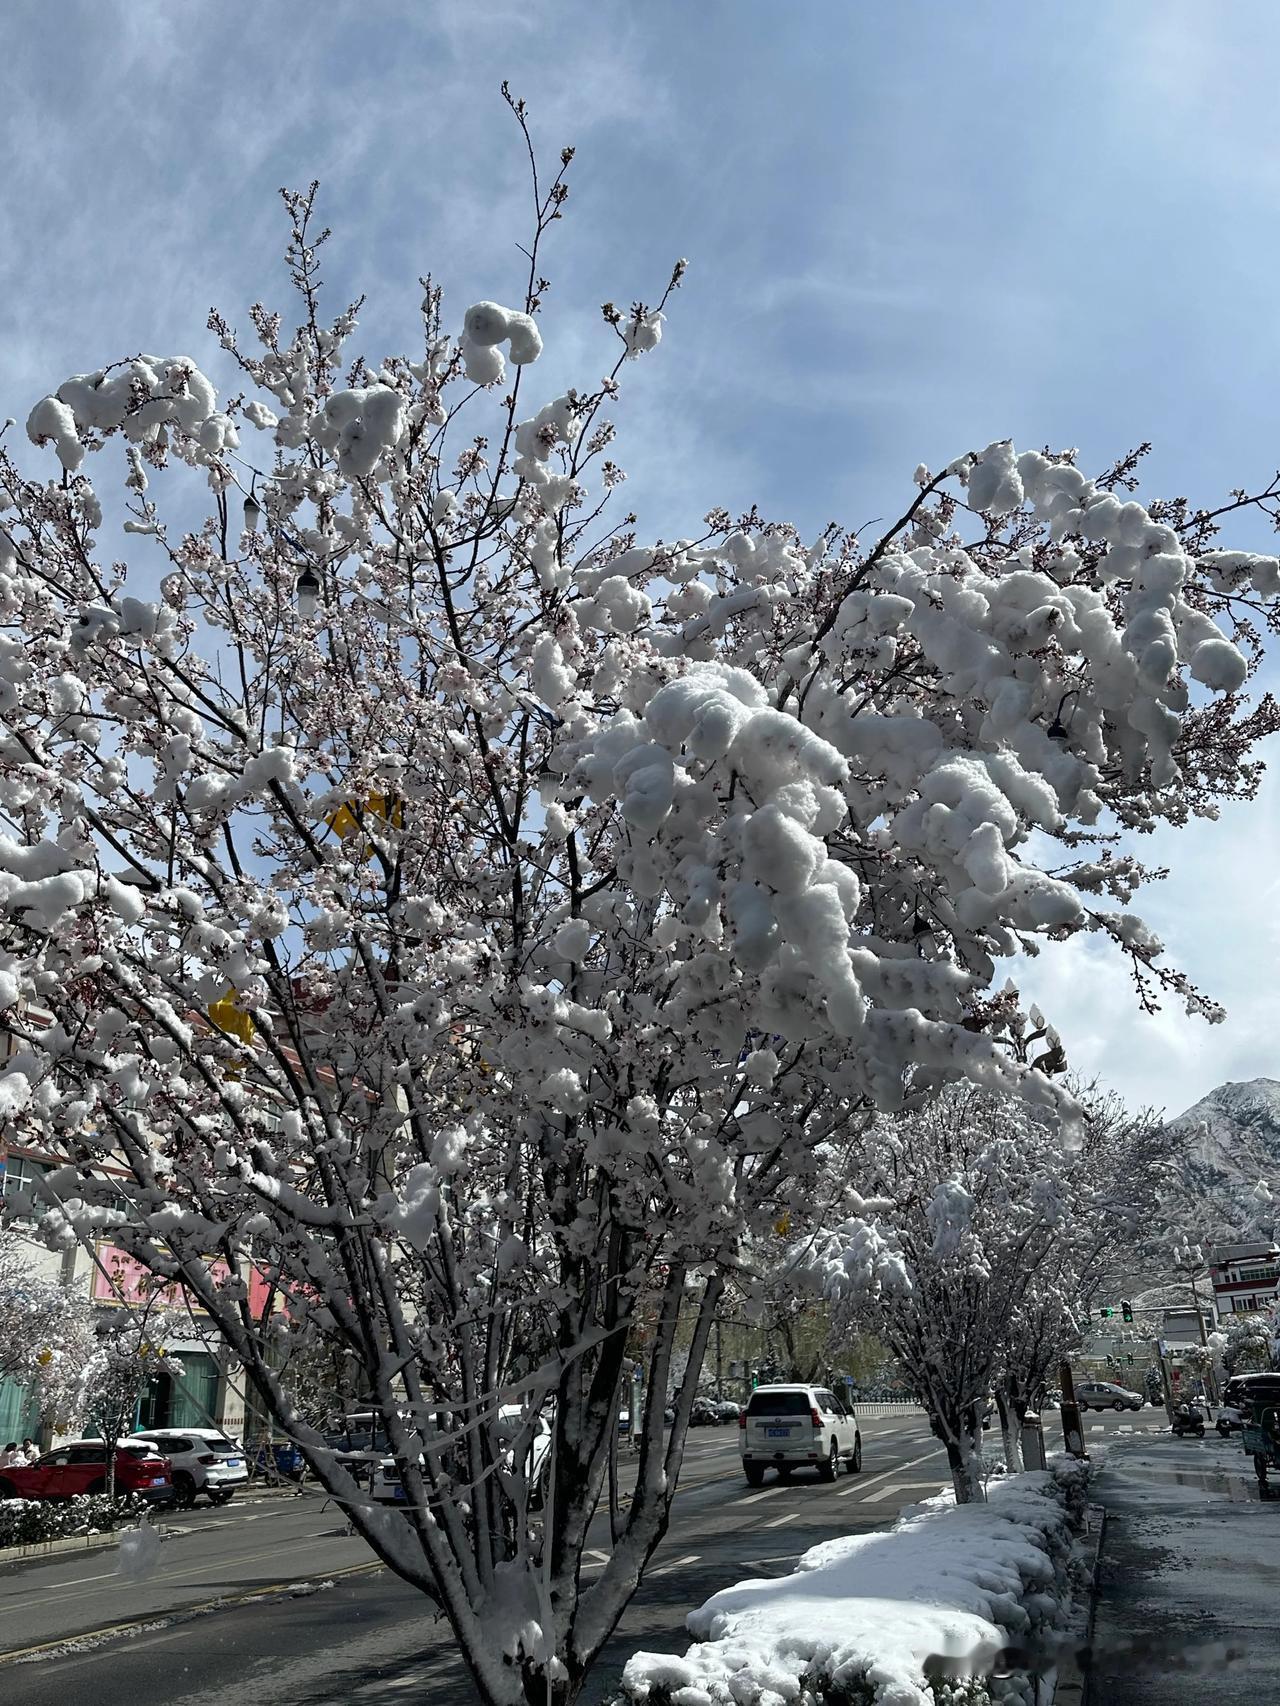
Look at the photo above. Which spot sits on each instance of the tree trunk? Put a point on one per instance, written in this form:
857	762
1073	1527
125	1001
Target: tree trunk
1011	1432
963	1441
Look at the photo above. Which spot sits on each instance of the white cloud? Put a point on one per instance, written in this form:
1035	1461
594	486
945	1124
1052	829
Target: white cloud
1218	914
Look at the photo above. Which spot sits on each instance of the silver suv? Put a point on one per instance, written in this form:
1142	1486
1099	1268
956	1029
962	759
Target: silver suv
1106	1395
204	1461
796	1427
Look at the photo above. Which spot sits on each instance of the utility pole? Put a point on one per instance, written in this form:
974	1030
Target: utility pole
719	1362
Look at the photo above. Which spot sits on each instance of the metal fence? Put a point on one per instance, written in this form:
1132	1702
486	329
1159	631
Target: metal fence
887	1407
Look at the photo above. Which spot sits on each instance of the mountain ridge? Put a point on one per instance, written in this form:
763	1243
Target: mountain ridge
1224	1144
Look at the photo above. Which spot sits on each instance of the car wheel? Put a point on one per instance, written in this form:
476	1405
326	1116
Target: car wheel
754	1473
8	1490
1083	1406
96	1487
831	1468
223	1496
1117	1406
184	1489
855	1462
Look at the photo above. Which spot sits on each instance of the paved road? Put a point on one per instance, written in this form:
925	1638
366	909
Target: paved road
367	1639
1189	1600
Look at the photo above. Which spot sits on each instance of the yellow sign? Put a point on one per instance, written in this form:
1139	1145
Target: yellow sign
389	807
783	1224
232	1019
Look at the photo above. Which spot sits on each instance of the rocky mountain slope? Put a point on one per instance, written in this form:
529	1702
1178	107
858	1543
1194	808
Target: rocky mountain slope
1222	1147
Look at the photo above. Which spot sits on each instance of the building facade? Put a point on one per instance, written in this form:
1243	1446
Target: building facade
1245	1278
209	1389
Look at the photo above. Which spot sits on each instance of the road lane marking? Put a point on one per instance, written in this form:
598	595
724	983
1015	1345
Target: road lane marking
158	1577
900	1487
884	1474
675	1564
755	1498
174	1618
777	1521
1096	1428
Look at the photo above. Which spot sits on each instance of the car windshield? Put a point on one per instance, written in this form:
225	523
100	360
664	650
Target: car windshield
219	1447
779	1404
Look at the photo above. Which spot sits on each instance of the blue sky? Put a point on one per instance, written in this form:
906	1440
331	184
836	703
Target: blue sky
911	228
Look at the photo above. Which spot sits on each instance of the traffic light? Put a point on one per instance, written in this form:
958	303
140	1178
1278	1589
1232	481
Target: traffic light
755	1378
1126	1310
1106	1313
1129	1360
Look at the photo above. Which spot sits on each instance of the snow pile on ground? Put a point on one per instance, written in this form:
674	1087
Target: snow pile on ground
897	1619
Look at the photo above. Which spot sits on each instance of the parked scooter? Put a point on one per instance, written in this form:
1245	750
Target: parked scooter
1188	1419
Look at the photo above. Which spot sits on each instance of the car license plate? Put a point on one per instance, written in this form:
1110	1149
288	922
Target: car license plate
231	1462
400	1493
156	1481
777	1433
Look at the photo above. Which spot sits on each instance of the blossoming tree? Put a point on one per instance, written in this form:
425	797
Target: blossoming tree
477	916
46	1332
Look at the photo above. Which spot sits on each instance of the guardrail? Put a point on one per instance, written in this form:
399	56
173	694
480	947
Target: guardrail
886	1407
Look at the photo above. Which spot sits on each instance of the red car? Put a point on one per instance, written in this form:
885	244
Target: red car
81	1467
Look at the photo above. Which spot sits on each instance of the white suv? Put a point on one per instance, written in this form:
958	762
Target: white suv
794	1427
204	1461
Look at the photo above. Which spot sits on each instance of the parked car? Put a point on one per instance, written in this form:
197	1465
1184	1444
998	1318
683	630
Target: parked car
1106	1395
727	1411
80	1466
387	1488
1235	1399
201	1460
794	1427
704	1414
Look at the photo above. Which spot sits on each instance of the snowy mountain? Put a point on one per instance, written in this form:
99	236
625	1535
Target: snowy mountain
1223	1146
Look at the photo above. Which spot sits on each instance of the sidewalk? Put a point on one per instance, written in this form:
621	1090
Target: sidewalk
1189	1586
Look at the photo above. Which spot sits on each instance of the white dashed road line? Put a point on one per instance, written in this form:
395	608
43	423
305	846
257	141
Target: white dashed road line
901	1487
863	1481
675	1564
777	1521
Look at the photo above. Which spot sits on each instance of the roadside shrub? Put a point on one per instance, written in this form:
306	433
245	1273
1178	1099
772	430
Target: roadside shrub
27	1522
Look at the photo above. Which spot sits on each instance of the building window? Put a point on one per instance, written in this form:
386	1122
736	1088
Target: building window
18	1187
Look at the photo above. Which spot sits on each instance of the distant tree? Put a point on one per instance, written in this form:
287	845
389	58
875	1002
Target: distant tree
129	1351
46	1331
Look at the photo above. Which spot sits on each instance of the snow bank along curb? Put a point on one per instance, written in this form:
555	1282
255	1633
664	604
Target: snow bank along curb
914	1617
1072	1687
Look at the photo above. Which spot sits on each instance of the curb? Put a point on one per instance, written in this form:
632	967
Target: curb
1072	1685
51	1548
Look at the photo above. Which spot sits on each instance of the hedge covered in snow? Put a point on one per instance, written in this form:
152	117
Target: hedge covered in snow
27	1522
917	1616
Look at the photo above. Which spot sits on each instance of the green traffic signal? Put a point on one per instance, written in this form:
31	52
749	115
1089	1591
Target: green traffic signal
1126	1310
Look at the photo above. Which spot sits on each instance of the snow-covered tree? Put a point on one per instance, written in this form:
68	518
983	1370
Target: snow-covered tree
46	1331
1247	1345
955	1260
129	1350
479	917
